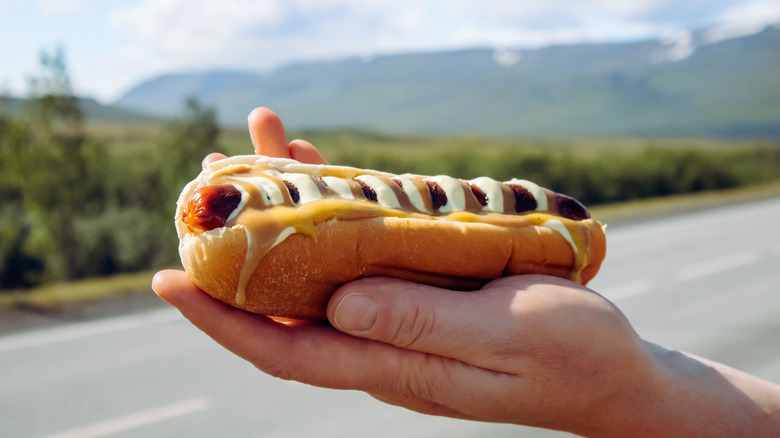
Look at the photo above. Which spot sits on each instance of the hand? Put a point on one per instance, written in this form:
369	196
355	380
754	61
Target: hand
531	350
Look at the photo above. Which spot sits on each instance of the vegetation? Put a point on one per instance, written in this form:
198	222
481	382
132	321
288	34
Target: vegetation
81	199
73	205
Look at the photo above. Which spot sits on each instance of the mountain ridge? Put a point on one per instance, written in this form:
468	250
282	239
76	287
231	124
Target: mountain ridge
681	86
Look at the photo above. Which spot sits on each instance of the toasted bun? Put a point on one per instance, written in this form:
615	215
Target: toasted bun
297	276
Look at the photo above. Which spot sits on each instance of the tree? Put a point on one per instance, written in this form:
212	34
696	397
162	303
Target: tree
188	140
57	170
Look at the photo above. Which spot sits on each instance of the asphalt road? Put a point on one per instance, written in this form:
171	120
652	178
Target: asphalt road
708	283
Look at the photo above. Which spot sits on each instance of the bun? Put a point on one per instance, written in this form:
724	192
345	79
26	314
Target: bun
277	237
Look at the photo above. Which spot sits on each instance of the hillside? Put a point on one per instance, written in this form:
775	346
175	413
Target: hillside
686	87
93	110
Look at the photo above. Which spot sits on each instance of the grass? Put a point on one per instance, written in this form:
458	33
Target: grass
637	211
58	296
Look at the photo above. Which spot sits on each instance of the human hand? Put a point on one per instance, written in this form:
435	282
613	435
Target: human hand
531	350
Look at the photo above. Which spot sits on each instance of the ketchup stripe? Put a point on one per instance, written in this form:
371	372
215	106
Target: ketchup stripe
438	197
294	194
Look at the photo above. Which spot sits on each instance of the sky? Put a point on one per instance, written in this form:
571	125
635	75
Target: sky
110	46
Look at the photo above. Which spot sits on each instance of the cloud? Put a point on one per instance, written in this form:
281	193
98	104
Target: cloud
60	8
744	19
176	35
179	33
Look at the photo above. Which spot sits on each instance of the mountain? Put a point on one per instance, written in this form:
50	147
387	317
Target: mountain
689	84
93	110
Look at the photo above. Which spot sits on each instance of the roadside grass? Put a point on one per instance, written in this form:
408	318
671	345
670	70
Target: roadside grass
652	208
52	298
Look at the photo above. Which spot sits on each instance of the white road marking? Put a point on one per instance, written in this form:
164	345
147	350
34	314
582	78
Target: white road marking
138	419
86	329
626	290
721	264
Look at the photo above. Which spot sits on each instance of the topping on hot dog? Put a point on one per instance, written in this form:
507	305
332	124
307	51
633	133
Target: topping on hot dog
350	223
209	207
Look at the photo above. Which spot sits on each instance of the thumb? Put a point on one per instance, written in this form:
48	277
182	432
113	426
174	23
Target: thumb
413	316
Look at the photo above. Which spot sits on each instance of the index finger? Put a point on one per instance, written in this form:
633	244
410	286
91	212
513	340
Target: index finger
322	356
310	353
267	133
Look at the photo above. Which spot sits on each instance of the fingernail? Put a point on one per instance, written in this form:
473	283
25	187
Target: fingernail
157	280
356	313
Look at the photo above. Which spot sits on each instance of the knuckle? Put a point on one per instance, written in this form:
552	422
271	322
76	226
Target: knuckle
415	327
279	365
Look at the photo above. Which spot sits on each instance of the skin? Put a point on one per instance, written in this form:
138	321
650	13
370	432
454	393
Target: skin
531	350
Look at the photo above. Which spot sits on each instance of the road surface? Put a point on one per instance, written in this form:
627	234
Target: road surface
708	283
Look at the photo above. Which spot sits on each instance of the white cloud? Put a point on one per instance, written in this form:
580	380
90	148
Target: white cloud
507	58
176	35
761	12
744	19
181	33
60	8
678	44
197	33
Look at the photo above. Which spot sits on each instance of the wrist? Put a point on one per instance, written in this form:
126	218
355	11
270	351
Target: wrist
674	394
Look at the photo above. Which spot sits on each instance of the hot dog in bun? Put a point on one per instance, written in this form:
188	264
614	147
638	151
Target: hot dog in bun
277	237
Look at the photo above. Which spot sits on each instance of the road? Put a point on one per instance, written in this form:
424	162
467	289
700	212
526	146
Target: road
708	283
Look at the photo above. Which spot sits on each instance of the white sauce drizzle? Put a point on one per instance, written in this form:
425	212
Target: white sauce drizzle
456	199
385	195
307	188
412	192
241	204
243	277
268	189
558	226
535	191
287	232
339	186
249	260
492	189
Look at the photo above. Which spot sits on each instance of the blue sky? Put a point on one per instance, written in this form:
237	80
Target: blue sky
112	45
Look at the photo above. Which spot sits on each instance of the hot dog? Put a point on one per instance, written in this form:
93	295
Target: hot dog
277	237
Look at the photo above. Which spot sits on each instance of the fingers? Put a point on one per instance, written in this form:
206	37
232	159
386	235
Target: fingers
422	318
322	356
309	353
268	138
212	157
305	152
267	133
228	326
